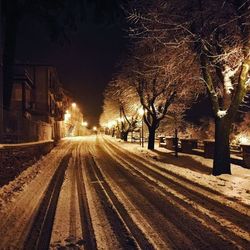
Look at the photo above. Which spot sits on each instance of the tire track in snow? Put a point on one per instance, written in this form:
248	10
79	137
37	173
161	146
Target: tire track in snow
73	227
128	234
240	210
40	232
17	216
182	190
72	213
104	234
154	209
229	201
88	235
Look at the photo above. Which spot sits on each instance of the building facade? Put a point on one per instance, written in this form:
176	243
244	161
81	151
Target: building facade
37	105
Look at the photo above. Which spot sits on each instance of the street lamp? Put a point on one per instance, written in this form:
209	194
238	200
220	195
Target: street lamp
85	124
120	119
67	116
243	139
141	112
73	105
111	124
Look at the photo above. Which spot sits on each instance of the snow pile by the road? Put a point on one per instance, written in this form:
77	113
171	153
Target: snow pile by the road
10	191
13	145
21	198
235	186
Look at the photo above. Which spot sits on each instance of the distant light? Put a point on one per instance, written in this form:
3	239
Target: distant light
94	128
85	124
141	111
67	116
120	119
73	105
243	140
111	124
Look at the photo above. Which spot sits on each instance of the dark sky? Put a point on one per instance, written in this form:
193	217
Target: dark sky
85	65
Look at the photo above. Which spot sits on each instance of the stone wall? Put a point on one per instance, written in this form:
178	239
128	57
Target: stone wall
19	129
14	158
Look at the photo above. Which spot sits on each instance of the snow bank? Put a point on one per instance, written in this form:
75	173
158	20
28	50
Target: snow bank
197	169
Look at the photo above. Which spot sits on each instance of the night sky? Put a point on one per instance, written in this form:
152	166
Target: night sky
85	65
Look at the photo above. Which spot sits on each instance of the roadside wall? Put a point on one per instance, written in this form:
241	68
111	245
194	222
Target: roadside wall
19	129
15	158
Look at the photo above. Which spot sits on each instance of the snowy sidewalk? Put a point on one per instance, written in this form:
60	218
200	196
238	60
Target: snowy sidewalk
195	168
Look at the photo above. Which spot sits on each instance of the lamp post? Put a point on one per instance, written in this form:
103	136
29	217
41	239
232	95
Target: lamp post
85	124
95	130
141	113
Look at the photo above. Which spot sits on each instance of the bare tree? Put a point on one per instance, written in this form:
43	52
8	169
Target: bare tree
217	35
157	79
120	105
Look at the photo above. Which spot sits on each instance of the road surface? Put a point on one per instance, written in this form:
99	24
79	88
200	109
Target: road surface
90	193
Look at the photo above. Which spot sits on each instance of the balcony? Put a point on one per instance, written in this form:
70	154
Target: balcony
22	74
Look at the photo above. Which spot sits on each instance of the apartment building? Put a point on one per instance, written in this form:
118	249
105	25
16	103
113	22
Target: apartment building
37	104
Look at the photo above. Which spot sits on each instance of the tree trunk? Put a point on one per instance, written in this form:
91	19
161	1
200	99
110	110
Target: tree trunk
151	137
221	164
10	34
125	135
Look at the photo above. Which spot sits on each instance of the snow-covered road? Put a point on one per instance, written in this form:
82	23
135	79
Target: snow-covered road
93	193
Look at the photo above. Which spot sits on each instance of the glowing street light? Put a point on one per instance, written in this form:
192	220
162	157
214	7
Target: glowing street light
95	129
67	116
111	124
120	119
141	111
243	140
84	124
73	105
